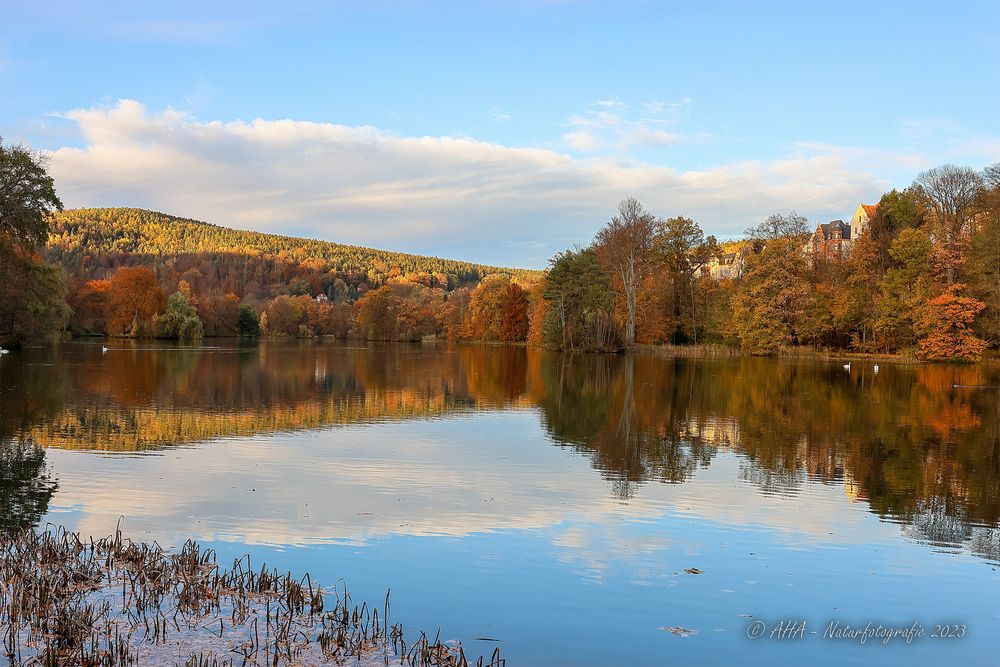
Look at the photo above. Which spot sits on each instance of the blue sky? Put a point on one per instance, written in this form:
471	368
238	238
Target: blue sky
496	131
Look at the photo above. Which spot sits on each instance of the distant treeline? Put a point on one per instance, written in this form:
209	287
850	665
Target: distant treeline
122	264
133	303
923	278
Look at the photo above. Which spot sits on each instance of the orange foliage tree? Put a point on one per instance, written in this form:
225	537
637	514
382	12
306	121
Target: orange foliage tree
498	310
89	305
945	326
134	298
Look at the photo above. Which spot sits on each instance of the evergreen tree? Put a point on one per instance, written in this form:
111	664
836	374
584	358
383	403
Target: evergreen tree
248	324
580	300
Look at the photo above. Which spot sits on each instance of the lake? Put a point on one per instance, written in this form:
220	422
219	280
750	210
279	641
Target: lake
570	509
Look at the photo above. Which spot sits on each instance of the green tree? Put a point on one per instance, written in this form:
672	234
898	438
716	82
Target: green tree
32	295
579	316
905	288
27	197
984	258
683	250
32	298
897	210
180	319
247	324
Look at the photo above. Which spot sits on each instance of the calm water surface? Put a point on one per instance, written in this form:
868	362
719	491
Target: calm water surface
546	503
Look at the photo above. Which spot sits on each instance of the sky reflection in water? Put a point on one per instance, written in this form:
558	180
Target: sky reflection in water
550	502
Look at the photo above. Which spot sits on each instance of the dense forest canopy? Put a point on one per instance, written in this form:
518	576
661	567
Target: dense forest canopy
122	264
91	243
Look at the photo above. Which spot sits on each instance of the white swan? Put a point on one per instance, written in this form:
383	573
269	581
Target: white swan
876	368
3	351
104	349
847	366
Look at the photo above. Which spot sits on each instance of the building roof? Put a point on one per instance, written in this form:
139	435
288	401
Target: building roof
828	229
870	209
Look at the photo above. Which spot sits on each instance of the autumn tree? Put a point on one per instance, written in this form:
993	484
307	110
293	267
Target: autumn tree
89	303
332	319
951	192
227	312
514	309
772	301
854	305
498	310
717	311
624	247
944	325
419	310
455	313
32	298
779	225
538	311
683	250
375	314
134	298
284	314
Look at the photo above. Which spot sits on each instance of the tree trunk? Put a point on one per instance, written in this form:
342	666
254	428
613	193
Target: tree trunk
694	319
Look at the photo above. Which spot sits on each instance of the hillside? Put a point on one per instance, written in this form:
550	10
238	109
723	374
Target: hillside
91	243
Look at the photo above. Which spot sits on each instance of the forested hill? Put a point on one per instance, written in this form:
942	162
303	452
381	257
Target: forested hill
91	243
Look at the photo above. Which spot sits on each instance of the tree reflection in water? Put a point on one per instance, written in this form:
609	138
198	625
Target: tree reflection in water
919	444
25	485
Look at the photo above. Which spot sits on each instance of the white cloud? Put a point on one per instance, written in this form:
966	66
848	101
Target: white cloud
611	126
498	116
438	194
612	103
356	485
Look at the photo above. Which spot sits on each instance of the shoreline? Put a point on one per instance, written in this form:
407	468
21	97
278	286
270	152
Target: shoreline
704	351
112	600
669	350
708	351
